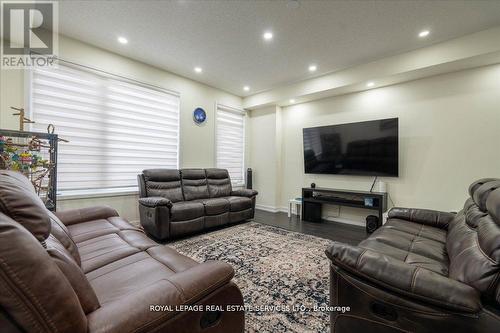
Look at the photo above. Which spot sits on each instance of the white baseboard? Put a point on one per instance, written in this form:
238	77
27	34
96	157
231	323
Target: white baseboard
283	209
266	208
272	209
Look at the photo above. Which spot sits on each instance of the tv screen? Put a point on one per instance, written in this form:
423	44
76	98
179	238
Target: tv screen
368	148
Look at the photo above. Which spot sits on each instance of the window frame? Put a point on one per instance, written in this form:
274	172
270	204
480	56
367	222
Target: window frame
236	110
69	194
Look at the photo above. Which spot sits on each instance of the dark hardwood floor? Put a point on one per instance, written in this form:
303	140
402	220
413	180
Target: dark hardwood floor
336	231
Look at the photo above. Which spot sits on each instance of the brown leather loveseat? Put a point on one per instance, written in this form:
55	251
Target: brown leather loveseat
176	203
88	270
423	271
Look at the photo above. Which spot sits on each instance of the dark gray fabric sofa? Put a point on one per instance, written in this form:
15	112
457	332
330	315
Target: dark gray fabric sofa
174	203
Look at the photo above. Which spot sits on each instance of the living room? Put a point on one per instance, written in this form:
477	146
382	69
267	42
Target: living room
250	166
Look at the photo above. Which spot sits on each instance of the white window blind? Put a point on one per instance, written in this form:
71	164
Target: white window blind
230	142
116	128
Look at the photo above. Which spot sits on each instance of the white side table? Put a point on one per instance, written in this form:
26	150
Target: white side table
298	207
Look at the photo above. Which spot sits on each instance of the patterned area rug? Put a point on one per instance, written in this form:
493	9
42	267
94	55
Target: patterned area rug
274	267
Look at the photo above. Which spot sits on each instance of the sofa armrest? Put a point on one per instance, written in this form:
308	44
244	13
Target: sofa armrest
402	278
135	312
74	216
428	217
200	280
155	202
244	193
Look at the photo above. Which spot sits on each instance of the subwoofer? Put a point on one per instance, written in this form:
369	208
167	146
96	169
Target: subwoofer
371	223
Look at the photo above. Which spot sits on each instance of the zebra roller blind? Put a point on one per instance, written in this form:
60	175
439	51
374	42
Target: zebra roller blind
230	142
116	128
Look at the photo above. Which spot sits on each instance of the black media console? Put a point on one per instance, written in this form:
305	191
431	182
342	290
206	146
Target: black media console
314	198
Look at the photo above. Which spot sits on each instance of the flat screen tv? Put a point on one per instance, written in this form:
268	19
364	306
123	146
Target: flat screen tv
368	148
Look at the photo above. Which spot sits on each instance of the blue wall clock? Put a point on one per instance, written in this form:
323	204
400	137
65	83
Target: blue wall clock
199	115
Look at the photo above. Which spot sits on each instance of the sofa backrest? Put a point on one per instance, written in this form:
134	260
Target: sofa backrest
34	290
163	183
219	183
194	184
473	240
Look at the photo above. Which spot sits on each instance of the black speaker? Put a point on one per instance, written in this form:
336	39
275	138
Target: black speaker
249	178
371	223
313	185
312	211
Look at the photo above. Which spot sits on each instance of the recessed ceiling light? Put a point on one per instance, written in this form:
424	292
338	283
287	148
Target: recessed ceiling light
370	84
268	35
198	69
313	68
292	100
423	33
122	40
246	88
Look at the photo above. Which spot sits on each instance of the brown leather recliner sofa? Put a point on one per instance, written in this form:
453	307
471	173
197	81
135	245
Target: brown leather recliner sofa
88	270
176	203
423	271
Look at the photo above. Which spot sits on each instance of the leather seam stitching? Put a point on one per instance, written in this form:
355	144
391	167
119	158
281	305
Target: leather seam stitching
113	270
493	283
114	250
413	242
26	290
371	321
359	258
24	307
414	276
93	241
404	292
402	306
88	232
481	250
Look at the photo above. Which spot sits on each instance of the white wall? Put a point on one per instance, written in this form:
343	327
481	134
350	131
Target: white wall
449	135
196	142
263	156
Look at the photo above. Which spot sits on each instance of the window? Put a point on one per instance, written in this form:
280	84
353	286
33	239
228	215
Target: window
116	128
230	142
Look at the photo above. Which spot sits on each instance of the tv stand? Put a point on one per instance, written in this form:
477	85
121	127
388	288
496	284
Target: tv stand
314	198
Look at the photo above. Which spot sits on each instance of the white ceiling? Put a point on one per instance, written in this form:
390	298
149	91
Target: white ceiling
225	37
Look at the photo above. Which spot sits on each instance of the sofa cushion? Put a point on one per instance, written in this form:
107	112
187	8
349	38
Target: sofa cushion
412	243
61	232
19	201
239	203
33	290
68	266
186	227
219	183
102	250
482	193
194	184
215	206
103	241
186	210
122	277
493	206
473	241
141	281
81	232
163	183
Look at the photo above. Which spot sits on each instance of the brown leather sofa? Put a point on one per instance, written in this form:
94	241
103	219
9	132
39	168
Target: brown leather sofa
423	271
88	270
176	203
